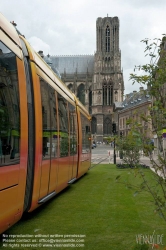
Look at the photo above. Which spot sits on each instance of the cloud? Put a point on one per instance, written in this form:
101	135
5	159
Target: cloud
65	27
38	44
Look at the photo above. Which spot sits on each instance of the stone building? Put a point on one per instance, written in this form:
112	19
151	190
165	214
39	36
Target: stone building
134	105
97	80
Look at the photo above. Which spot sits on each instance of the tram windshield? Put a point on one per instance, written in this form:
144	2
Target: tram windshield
9	108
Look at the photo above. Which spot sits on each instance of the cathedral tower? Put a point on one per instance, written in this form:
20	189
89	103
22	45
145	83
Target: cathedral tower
97	80
108	85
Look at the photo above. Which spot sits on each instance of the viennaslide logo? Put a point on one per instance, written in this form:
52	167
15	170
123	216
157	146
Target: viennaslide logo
150	239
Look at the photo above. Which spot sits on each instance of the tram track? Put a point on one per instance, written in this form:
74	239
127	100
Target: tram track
98	162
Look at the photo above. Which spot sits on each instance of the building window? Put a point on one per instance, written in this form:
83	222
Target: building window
81	93
107	126
116	96
90	101
107	40
94	125
107	94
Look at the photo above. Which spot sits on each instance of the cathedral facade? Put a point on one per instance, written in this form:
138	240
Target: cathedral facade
97	80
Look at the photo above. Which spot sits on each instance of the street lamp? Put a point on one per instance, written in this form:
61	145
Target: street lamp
114	152
114	132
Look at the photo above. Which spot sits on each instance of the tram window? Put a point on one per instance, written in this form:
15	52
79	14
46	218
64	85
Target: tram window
63	126
73	129
54	131
49	120
86	134
9	108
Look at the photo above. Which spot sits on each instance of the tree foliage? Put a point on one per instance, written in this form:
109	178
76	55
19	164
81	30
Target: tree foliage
130	148
153	77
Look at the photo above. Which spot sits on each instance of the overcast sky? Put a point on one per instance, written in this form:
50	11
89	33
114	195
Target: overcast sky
68	27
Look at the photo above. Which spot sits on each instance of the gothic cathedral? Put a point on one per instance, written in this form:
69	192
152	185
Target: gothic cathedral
97	80
108	85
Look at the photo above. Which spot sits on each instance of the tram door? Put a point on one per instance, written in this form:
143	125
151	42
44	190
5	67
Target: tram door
50	140
73	142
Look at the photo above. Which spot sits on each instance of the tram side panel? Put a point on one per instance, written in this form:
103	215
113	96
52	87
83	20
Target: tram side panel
46	139
46	160
37	136
55	162
50	138
63	142
13	132
59	139
55	139
47	125
67	169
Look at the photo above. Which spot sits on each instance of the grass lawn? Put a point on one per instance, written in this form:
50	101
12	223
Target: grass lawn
106	212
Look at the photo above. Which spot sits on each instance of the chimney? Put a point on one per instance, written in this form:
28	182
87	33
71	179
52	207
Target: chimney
41	53
141	90
127	96
14	24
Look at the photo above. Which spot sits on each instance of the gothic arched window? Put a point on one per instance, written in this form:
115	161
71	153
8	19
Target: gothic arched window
116	96
94	125
107	93
107	126
90	101
81	93
70	86
107	39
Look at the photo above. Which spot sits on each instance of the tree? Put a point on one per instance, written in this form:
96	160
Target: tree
129	147
153	76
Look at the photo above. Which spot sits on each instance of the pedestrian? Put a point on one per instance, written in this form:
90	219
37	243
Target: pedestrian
149	152
109	156
151	148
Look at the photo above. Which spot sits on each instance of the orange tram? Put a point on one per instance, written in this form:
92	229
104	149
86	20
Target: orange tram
44	130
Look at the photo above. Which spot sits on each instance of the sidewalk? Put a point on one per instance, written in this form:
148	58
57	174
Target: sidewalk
101	155
145	160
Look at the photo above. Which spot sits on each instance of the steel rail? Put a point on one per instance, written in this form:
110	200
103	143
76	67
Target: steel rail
94	165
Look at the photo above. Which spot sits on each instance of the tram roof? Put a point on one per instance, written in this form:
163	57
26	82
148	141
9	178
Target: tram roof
9	29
